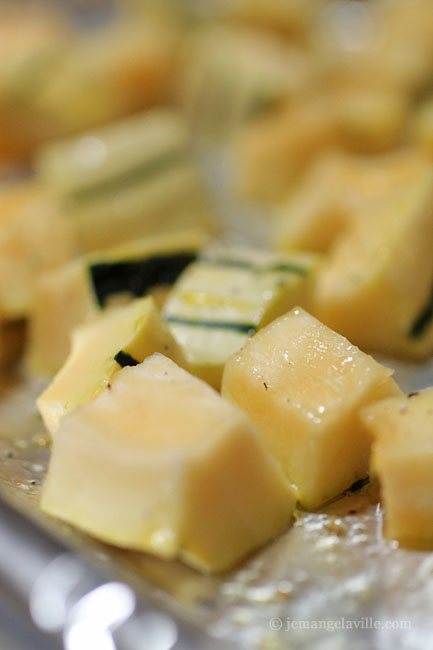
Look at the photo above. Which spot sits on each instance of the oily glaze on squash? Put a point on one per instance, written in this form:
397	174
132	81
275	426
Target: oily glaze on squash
303	385
402	458
167	466
83	289
227	295
123	336
126	180
377	286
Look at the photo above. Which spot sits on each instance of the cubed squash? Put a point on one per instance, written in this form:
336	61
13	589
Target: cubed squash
291	18
126	180
123	336
369	120
167	466
229	293
34	41
422	126
83	289
303	385
337	185
313	215
402	458
235	74
33	239
377	287
109	72
274	150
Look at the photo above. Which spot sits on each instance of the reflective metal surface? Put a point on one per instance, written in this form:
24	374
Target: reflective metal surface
329	583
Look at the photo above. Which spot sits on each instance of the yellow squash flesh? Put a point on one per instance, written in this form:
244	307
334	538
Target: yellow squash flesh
377	287
402	458
303	385
229	293
169	467
66	297
123	336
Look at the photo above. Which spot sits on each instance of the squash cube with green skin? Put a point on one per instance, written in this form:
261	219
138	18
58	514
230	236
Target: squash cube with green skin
303	386
167	466
222	299
236	74
123	336
127	180
402	458
81	290
376	288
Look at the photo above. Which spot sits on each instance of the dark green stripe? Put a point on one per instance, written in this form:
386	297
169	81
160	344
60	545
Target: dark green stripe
137	277
423	320
143	171
289	268
285	267
125	359
244	328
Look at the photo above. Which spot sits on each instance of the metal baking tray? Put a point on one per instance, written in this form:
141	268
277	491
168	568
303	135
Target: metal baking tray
330	582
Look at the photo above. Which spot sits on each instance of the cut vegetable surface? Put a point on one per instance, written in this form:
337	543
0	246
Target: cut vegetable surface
132	179
327	201
166	465
402	458
303	385
33	239
81	290
124	336
235	74
229	293
377	287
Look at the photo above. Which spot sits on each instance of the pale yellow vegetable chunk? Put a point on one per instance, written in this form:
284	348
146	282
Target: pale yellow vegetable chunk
422	126
33	240
402	457
123	336
167	466
327	201
369	120
303	385
229	293
377	287
79	291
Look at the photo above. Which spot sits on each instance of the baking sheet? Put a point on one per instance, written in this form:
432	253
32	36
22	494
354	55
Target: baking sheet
331	582
331	569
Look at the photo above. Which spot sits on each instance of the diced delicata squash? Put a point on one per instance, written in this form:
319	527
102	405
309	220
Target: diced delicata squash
402	458
333	191
229	293
272	152
368	120
235	74
124	336
131	179
81	290
167	466
33	239
377	287
422	127
303	385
